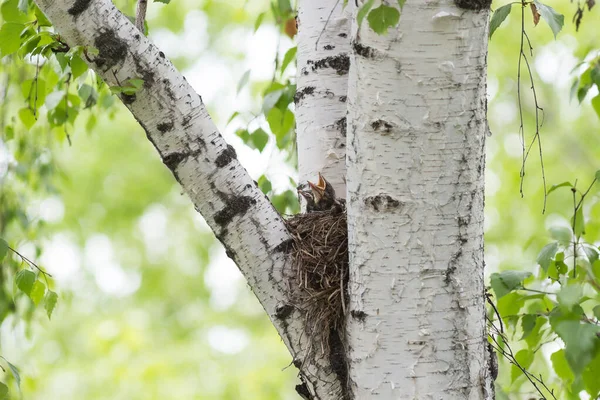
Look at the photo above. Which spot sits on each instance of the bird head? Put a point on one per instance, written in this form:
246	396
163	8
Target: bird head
322	189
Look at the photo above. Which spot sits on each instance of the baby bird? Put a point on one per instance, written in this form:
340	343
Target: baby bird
322	197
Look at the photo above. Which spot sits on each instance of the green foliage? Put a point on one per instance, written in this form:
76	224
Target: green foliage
589	78
382	18
499	16
25	280
505	282
548	14
569	312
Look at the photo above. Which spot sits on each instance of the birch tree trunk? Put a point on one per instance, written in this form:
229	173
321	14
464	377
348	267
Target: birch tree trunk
416	130
322	82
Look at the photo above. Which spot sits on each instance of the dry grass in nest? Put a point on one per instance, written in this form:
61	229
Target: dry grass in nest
320	261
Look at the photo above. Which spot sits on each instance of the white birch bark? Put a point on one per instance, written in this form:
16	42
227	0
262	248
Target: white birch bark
416	130
178	125
322	85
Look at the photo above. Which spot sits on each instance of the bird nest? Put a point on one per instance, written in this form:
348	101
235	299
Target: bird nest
319	280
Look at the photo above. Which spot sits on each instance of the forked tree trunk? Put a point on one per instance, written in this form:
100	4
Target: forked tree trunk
416	128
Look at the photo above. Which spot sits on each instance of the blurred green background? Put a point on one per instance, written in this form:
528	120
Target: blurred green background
150	307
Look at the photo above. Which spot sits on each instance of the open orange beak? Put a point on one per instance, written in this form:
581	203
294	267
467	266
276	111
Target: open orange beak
317	190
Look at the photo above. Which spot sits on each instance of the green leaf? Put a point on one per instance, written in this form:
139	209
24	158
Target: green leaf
25	279
590	377
528	322
574	88
596	104
364	10
260	138
10	40
401	3
287	59
270	100
264	184
244	135
595	74
42	20
382	18
50	302
596	312
88	94
3	249
78	66
561	367
235	114
3	391
54	99
499	16
23	6
11	13
554	187
524	358
15	372
554	19
582	91
561	233
507	281
162	1
569	296
284	7
547	254
275	120
38	291
243	81
578	222
580	342
591	253
259	20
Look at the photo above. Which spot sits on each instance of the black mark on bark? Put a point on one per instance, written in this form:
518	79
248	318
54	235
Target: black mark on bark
364	51
128	98
343	98
173	160
302	93
475	5
234	205
226	157
303	391
340	63
341	126
328	47
79	7
283	311
359	315
382	202
112	50
164	127
284	247
382	125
